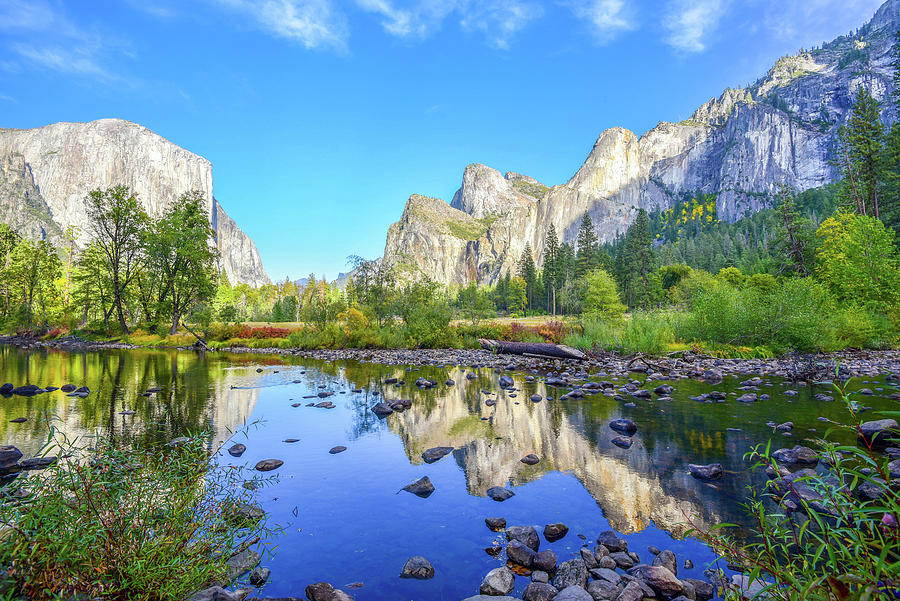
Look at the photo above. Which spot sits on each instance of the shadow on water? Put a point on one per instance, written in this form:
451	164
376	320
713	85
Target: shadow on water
344	519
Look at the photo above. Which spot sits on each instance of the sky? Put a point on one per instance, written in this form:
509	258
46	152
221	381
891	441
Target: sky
321	117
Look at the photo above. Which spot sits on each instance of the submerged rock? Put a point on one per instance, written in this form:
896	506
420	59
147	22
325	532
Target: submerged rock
421	487
417	567
624	442
712	471
337	449
495	524
267	465
530	459
432	455
623	426
498	493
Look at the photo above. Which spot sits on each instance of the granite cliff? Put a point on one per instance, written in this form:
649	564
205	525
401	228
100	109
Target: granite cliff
740	146
46	173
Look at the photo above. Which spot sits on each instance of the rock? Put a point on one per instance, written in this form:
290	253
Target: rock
664	390
667	560
9	456
601	590
712	376
236	450
612	541
432	455
878	433
241	563
712	471
267	465
67	387
493	551
704	590
540	576
631	592
654	550
417	567
8	388
259	576
530	459
554	532
520	554
215	593
498	493
421	487
536	398
320	591
600	551
544	560
785	427
499	581
894	469
622	559
588	557
506	382
659	578
573	593
526	535
337	449
27	390
37	463
688	565
623	442
570	573
607	562
382	409
623	426
18	420
495	524
537	591
606	574
799	455
750	397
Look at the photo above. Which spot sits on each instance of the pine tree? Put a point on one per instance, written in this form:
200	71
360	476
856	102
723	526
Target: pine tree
551	268
528	272
586	257
795	236
637	262
861	152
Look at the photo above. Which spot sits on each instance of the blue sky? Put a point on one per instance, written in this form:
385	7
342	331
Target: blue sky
321	117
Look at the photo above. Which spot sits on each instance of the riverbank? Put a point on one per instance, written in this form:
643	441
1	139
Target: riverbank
683	364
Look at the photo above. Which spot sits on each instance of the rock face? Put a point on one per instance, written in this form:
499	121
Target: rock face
740	147
46	173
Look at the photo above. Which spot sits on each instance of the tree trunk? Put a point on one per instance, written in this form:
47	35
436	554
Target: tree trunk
175	319
547	349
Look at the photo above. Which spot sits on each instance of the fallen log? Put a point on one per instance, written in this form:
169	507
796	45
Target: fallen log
546	349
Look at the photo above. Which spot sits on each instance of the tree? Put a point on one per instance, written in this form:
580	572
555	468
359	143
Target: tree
795	236
178	250
861	150
636	265
551	267
858	261
528	273
600	296
117	221
92	287
586	242
33	269
8	241
518	298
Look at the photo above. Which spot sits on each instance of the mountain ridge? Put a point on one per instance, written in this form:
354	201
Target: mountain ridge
739	146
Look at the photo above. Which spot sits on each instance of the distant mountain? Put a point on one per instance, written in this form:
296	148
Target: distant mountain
46	173
740	147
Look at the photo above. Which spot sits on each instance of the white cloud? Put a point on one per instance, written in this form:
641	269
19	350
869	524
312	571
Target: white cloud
498	20
607	18
74	62
691	22
805	23
312	23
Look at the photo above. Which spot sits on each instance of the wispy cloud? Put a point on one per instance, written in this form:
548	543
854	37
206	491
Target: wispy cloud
312	23
690	23
607	18
498	20
805	23
77	62
6	98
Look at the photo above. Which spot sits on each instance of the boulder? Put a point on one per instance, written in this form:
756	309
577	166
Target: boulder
499	581
27	390
667	560
622	559
659	578
537	591
241	563
520	554
799	455
8	388
588	557
320	591
498	493
750	397
606	574
712	376
536	398
236	450
506	382
530	459
554	532
878	433
382	409
217	593
417	567
544	561
632	592
540	576
259	576
37	463
495	524
267	465
703	590
612	541
526	535
573	593
9	456
601	590
570	573
712	471
432	455
623	442
337	449
623	426
421	487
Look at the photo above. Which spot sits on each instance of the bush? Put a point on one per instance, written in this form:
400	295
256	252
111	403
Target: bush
130	523
821	536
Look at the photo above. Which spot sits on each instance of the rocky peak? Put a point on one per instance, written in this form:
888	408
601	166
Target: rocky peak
717	110
485	192
613	162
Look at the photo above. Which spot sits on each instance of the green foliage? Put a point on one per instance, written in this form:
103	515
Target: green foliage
600	298
636	263
861	150
531	189
858	261
141	523
818	536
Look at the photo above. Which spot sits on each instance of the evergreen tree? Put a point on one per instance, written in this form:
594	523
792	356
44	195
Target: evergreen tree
586	257
795	236
528	273
637	262
861	154
551	268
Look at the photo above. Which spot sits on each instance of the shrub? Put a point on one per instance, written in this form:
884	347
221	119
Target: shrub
151	523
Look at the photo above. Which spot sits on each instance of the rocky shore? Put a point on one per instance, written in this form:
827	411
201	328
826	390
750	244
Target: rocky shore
686	364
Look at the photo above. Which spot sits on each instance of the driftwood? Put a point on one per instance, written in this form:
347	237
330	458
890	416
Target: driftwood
200	342
543	349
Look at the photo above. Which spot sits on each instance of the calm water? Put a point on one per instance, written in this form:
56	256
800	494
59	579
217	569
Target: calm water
344	519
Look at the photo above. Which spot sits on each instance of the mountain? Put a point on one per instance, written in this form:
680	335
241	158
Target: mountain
46	173
740	146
